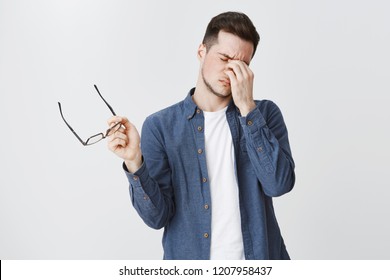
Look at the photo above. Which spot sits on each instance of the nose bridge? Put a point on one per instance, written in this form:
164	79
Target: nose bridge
225	66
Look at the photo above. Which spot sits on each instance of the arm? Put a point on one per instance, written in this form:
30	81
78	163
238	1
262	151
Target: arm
266	139
150	188
268	149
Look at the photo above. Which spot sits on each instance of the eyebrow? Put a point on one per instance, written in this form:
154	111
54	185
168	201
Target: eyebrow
225	55
231	58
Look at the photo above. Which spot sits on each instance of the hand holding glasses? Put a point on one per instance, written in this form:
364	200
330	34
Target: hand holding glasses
99	136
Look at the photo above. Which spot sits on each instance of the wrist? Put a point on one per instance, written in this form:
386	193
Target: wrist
245	109
134	164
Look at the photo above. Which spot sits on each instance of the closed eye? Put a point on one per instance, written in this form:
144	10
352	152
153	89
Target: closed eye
225	57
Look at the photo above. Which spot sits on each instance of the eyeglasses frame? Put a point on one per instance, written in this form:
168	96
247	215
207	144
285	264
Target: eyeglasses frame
103	135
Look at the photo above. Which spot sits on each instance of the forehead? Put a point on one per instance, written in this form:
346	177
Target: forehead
234	47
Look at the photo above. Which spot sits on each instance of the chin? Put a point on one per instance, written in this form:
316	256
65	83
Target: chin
223	94
226	91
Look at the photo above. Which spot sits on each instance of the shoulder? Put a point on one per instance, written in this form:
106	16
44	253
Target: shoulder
165	119
167	113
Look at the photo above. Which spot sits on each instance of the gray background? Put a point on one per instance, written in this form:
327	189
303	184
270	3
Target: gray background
325	63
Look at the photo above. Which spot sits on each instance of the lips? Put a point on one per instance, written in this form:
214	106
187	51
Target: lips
225	82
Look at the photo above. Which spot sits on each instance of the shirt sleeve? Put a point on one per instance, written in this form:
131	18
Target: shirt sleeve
151	188
269	149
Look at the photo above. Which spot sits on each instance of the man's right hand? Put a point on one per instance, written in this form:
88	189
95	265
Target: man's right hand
125	143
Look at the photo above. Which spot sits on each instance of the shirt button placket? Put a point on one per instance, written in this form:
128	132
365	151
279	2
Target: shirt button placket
200	129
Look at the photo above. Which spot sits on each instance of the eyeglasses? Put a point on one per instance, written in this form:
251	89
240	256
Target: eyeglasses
97	137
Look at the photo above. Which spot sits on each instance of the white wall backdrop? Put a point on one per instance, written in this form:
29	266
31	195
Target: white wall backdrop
325	63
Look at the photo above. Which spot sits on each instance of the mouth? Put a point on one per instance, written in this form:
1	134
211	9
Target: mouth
225	82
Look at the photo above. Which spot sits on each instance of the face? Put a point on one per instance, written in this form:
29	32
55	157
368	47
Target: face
215	60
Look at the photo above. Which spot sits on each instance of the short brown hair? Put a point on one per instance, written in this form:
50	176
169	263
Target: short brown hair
235	23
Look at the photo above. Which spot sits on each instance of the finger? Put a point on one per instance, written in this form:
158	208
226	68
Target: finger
235	67
118	119
120	135
116	135
241	69
116	143
122	130
240	63
114	129
128	125
232	77
114	120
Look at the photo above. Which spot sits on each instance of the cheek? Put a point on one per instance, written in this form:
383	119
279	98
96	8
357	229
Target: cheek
213	67
206	67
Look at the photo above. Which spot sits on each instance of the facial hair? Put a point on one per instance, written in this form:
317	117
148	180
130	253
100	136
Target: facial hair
212	90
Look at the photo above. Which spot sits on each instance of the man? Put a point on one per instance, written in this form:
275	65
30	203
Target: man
206	168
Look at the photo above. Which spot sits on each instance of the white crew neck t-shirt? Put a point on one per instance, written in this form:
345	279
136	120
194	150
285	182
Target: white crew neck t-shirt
226	234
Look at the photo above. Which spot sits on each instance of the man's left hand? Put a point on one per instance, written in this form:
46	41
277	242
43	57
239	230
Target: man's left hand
241	83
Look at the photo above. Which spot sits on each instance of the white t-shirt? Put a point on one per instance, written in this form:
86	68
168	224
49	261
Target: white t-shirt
226	234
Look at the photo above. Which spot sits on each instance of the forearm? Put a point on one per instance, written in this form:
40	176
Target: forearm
153	202
269	152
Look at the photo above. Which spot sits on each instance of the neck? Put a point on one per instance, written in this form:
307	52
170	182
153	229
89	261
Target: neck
207	100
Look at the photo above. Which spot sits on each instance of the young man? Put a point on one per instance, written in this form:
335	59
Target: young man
206	168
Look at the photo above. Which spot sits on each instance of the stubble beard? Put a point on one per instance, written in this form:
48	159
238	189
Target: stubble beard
213	91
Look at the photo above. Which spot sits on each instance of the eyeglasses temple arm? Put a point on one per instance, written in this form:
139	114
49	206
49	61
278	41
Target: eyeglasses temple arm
82	142
108	105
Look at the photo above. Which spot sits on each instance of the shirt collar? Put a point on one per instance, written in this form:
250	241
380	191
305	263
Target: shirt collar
189	105
190	108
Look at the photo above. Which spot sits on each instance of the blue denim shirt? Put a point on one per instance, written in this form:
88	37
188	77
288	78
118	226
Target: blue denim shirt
171	188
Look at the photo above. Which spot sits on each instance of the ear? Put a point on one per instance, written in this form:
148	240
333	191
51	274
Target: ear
202	52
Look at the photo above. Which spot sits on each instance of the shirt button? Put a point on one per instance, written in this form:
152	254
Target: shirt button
135	178
260	149
206	235
204	180
200	151
249	122
199	128
197	111
206	206
146	197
